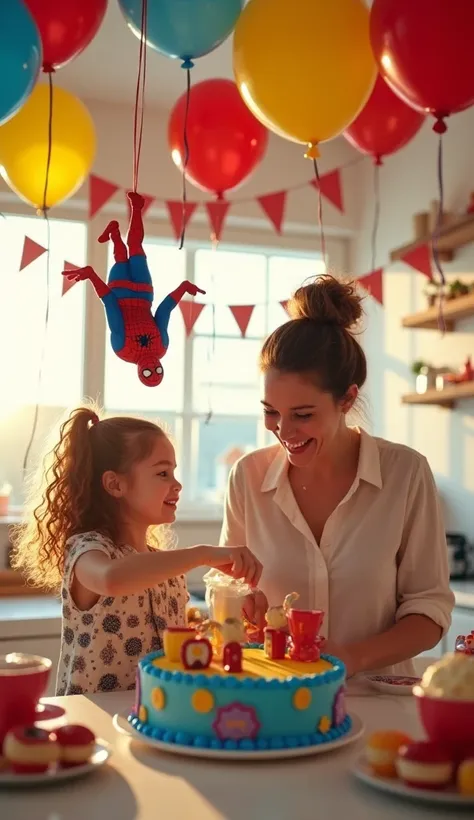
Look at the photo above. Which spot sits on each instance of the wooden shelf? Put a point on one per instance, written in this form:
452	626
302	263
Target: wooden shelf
443	398
457	233
453	311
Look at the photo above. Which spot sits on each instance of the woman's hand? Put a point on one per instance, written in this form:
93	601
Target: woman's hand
344	654
238	562
255	607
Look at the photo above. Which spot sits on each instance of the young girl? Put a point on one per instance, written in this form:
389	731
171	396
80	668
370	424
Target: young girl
107	482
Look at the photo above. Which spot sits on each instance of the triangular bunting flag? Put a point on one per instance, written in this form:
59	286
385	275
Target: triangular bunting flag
68	283
242	315
31	252
284	305
175	211
217	212
191	312
149	200
331	188
100	191
420	259
274	207
373	283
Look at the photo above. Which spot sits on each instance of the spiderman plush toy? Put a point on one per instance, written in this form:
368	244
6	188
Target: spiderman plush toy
136	333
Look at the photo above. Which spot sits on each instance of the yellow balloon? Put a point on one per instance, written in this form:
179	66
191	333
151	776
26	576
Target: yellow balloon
305	68
24	147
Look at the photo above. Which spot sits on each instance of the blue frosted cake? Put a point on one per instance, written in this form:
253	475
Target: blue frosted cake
269	704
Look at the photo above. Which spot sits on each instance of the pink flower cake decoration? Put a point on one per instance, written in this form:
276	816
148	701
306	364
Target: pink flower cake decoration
235	722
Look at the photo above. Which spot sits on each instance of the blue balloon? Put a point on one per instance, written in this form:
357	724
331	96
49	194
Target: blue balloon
20	56
183	29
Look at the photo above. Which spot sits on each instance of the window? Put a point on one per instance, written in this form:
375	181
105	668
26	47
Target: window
209	398
26	348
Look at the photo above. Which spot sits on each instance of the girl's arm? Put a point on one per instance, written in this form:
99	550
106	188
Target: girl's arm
98	573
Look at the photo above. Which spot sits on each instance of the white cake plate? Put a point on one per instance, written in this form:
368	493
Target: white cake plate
391	785
57	775
122	725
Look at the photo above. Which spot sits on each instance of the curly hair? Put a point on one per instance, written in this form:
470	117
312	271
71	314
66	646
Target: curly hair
67	496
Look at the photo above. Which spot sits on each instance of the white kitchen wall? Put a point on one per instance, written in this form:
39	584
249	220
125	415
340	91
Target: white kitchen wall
408	183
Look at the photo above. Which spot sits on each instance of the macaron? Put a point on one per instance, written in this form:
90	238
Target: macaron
382	750
465	777
30	750
425	765
76	745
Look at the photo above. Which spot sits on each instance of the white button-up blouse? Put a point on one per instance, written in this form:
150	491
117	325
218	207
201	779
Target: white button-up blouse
382	554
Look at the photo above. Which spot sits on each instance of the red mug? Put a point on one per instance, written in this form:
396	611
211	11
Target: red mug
23	681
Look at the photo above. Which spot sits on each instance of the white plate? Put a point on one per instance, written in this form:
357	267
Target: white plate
393	786
122	725
100	756
382	684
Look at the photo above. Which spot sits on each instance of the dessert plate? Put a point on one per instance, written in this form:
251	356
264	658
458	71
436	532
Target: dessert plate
393	684
122	725
390	785
56	775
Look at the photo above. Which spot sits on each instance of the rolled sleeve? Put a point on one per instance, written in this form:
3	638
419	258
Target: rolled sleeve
423	572
233	525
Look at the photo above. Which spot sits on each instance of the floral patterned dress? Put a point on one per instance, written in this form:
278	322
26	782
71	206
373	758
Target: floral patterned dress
101	646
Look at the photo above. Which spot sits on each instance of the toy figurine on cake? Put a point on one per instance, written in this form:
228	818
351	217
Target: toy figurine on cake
276	631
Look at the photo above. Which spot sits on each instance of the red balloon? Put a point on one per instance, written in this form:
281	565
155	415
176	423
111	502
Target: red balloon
385	123
225	141
66	27
425	52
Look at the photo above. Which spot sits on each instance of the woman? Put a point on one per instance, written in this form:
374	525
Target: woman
350	522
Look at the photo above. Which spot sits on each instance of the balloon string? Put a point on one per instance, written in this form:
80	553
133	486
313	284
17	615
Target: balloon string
139	97
186	156
320	212
375	228
436	235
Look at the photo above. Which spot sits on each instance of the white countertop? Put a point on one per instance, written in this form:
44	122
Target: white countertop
142	784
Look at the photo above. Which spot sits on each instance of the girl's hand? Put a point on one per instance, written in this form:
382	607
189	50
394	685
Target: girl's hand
238	562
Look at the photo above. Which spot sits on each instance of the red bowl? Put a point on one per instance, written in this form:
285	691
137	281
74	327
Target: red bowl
447	722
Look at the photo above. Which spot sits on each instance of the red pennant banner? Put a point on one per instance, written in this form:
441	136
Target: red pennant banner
148	202
420	259
274	207
373	283
191	312
242	315
31	252
68	283
100	191
175	211
217	212
331	188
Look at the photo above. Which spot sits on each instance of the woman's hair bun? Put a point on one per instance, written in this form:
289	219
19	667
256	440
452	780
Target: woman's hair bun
327	300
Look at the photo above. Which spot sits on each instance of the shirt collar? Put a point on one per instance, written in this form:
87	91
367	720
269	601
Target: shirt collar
368	468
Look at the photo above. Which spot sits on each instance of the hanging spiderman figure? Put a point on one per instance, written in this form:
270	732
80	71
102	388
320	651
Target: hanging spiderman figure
136	333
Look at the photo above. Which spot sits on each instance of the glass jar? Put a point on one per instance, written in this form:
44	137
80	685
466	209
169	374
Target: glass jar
224	596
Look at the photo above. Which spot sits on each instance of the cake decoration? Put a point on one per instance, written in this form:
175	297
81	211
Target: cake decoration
324	725
465	776
465	643
158	698
143	714
196	653
173	639
203	701
424	765
302	698
138	693
235	722
304	625
382	751
339	707
30	750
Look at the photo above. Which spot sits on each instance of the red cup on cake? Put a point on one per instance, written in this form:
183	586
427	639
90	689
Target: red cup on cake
445	701
23	681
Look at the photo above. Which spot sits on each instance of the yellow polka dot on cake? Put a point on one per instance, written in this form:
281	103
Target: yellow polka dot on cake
324	725
143	714
158	698
302	698
202	701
